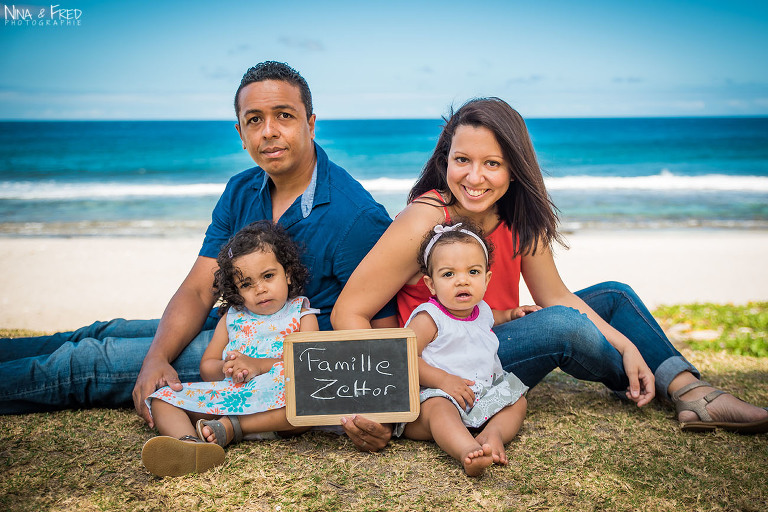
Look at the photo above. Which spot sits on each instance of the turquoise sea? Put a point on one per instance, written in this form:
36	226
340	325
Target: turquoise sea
158	178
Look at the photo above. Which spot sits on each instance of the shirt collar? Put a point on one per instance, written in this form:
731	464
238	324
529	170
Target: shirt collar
307	198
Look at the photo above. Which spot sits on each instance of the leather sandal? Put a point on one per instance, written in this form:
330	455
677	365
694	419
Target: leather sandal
220	431
706	423
168	456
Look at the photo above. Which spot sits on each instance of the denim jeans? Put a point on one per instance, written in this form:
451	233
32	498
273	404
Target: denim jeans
559	336
94	366
98	365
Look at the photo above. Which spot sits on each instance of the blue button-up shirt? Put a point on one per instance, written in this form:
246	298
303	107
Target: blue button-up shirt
335	221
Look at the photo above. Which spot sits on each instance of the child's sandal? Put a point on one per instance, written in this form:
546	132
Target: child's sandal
168	456
220	431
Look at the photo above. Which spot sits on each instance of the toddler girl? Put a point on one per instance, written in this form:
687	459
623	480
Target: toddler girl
259	278
462	382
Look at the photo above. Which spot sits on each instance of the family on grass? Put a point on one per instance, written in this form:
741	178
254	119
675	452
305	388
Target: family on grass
296	244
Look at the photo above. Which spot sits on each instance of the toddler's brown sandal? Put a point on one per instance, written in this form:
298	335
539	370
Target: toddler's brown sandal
168	456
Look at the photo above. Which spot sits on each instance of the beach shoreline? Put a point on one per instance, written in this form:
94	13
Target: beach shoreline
50	284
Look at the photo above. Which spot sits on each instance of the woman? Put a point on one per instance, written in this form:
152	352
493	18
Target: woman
484	168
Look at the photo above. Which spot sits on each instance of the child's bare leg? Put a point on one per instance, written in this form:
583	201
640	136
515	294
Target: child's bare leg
439	420
267	421
502	428
170	420
166	455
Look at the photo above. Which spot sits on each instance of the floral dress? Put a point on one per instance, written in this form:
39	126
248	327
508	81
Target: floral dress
255	336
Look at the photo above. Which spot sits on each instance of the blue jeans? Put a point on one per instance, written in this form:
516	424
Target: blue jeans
559	336
95	366
98	365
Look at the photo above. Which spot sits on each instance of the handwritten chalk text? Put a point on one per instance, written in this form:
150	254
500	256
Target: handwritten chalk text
361	365
343	391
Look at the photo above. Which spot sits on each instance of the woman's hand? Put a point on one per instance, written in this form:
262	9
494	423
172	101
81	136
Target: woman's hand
642	383
459	389
242	368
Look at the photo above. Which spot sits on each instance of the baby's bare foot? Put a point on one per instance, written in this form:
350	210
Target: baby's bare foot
492	437
475	461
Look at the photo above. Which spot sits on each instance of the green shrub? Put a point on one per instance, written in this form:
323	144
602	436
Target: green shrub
743	330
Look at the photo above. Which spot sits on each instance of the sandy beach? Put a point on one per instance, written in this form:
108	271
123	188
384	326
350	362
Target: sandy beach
51	284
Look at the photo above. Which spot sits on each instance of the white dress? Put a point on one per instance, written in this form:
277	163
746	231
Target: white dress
467	347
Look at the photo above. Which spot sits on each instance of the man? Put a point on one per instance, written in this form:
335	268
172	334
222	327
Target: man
321	206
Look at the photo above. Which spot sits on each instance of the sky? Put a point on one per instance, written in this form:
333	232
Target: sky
180	60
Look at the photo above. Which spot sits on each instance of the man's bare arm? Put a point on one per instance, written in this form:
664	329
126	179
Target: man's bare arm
181	322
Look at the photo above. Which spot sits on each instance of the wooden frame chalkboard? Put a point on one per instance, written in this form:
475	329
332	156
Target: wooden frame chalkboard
333	374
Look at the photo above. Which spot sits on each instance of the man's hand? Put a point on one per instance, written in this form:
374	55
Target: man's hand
153	376
368	436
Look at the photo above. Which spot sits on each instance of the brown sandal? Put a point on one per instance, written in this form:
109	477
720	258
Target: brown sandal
168	456
706	423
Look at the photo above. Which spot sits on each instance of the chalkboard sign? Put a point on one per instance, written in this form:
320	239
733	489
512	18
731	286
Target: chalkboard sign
372	372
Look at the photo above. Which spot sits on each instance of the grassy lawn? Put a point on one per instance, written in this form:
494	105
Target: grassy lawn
580	449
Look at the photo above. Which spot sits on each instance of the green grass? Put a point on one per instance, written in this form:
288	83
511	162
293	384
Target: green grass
740	330
580	449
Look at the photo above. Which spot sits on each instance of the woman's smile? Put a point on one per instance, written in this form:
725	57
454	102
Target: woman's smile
475	192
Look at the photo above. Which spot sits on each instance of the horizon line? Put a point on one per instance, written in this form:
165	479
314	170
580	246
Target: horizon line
438	118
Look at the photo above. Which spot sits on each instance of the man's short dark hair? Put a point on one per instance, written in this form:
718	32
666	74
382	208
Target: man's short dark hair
280	71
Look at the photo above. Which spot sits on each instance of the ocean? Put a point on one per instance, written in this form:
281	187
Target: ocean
162	178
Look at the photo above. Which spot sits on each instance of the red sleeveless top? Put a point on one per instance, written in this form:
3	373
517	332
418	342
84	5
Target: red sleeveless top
503	290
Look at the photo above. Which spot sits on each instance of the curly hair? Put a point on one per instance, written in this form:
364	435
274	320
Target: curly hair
262	236
450	237
279	72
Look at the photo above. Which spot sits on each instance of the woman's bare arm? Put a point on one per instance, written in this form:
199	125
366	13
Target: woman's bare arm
387	267
547	289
